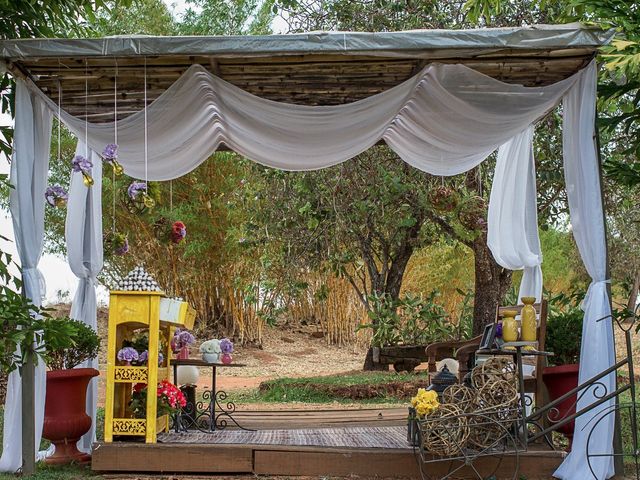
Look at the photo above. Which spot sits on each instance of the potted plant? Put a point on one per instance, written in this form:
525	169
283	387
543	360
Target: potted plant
564	338
65	417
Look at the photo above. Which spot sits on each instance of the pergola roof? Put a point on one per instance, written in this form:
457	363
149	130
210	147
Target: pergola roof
311	69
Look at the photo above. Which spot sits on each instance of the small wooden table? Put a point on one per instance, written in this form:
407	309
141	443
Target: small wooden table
211	416
517	351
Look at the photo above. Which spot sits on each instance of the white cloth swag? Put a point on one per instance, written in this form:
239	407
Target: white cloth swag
445	120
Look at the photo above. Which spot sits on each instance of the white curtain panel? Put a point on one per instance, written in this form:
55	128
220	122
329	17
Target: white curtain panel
512	219
84	252
445	120
582	177
29	170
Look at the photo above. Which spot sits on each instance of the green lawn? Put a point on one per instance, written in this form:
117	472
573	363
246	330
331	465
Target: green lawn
360	387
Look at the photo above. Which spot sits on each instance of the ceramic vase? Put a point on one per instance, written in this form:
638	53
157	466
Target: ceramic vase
211	357
509	326
529	323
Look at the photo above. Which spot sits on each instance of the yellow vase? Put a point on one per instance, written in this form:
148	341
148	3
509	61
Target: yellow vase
509	326
529	323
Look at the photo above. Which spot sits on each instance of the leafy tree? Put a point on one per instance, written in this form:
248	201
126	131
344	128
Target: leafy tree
137	17
227	17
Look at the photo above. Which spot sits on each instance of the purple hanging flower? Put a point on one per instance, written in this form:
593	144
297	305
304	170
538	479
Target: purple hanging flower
135	189
81	164
122	248
110	152
128	354
226	345
56	196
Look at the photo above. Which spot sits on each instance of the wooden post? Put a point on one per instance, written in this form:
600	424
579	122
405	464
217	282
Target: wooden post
28	417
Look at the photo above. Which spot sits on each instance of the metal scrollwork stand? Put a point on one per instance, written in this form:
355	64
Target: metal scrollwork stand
213	412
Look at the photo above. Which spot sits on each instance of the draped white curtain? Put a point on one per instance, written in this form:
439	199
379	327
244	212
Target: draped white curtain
513	217
445	120
84	252
29	170
582	178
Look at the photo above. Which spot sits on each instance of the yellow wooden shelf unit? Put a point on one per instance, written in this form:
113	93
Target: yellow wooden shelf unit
131	311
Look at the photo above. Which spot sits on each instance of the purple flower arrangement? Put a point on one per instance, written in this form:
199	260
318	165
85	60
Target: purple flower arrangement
226	345
56	196
144	357
128	355
181	339
81	164
120	244
135	189
110	155
110	152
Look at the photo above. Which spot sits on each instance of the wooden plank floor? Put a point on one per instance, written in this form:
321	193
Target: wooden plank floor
334	457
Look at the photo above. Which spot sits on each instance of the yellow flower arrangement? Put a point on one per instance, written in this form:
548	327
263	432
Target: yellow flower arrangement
425	402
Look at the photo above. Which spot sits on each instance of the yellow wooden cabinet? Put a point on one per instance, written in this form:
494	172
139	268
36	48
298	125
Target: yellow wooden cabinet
129	312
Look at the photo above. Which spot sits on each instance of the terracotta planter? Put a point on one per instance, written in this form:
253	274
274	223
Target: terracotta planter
560	380
65	417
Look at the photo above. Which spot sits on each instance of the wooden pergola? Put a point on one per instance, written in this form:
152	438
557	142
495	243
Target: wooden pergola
307	69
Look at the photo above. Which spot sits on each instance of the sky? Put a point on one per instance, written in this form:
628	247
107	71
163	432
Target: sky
60	280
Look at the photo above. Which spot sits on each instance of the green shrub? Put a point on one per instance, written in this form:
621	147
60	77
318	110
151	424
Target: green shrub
81	344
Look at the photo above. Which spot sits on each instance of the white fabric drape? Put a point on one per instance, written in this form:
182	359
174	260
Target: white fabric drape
445	121
582	177
29	170
83	232
512	219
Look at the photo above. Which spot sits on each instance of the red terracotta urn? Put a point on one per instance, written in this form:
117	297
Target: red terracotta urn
65	417
560	380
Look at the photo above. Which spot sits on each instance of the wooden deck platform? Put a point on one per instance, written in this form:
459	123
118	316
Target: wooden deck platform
368	443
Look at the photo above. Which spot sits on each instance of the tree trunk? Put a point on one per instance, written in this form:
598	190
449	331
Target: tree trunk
492	283
633	295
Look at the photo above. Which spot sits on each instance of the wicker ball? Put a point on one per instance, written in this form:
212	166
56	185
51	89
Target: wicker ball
460	395
445	431
494	368
494	411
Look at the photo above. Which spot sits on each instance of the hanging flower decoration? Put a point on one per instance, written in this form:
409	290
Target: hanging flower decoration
56	196
110	155
138	193
80	164
472	213
443	199
115	243
178	232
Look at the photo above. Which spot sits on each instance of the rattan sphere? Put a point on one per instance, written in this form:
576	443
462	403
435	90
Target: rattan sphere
495	410
445	431
493	368
461	396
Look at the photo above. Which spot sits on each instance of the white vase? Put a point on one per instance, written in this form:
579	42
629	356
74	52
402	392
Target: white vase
211	357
